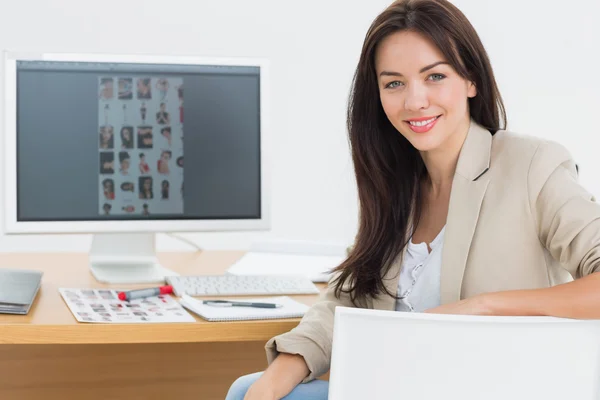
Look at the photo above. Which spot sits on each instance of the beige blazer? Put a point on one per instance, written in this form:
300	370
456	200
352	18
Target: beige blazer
517	219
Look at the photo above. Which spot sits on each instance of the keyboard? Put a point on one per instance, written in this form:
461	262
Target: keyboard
240	285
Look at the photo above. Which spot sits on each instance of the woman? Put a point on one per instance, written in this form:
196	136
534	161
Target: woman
457	215
127	137
144	167
162	165
143	110
144	90
166	132
106	88
165	190
163	87
125	161
109	189
163	117
106	137
145	184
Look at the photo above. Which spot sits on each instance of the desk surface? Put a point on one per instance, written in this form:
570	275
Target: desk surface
51	322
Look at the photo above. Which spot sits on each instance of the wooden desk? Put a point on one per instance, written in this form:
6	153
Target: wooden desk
48	354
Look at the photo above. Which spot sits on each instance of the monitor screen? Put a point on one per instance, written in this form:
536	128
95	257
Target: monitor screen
107	141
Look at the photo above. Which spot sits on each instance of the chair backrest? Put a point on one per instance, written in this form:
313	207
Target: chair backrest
398	355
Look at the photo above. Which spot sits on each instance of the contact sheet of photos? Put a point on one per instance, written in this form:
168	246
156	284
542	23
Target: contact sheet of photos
104	306
140	132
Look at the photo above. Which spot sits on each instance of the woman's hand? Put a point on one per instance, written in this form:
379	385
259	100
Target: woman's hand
477	305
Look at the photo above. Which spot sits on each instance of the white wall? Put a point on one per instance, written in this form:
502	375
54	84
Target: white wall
543	57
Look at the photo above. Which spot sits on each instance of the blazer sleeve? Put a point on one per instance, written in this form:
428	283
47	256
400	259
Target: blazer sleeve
567	216
313	337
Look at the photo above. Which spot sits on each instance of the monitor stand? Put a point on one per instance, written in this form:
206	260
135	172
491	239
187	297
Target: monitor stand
126	258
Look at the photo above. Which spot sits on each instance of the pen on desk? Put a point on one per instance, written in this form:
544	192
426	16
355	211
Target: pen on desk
226	303
142	293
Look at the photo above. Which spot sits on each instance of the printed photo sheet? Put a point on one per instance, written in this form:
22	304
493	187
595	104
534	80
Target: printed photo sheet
104	306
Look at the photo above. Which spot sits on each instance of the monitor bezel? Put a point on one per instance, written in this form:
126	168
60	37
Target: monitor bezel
13	226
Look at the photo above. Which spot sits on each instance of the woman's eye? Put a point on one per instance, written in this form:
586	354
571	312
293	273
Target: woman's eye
393	84
437	77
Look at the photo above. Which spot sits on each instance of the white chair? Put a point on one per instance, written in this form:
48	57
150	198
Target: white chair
417	356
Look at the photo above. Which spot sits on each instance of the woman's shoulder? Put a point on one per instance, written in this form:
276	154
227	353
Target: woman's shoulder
532	159
516	147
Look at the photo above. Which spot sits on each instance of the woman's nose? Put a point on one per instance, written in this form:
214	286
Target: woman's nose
416	98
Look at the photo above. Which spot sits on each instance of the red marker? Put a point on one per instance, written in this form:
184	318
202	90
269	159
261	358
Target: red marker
141	293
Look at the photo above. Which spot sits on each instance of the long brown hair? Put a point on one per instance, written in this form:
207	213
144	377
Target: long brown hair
388	168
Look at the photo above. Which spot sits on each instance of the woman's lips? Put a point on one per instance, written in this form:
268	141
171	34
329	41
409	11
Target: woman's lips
423	128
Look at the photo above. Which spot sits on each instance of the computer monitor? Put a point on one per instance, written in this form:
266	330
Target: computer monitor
96	144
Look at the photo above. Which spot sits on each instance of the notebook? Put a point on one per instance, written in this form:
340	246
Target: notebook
18	288
291	309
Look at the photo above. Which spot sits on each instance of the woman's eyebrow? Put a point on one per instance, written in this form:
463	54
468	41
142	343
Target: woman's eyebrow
424	69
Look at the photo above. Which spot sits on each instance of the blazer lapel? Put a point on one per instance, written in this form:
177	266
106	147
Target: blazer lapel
468	189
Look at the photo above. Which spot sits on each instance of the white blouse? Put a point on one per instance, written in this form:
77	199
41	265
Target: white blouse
419	284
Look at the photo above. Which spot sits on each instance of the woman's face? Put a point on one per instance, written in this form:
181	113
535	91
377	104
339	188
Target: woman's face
108	89
415	82
147	184
125	164
126	134
142	87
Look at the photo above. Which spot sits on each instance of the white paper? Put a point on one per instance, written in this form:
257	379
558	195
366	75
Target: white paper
290	309
104	306
315	267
